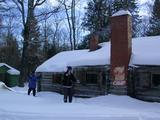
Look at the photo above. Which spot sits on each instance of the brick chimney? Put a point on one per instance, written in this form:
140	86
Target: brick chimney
93	42
120	47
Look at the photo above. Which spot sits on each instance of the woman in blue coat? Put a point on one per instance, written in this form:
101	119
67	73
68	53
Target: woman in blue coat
32	79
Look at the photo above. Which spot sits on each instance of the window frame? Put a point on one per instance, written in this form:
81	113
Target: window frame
57	76
152	85
91	83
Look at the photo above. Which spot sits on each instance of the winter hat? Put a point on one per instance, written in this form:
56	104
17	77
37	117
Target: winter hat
69	67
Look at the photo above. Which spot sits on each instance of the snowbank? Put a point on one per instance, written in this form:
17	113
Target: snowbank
49	106
4	87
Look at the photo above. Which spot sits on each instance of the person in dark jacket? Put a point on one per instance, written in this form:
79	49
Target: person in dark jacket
68	82
32	83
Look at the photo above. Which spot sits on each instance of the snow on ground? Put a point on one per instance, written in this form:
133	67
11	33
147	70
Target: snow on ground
49	106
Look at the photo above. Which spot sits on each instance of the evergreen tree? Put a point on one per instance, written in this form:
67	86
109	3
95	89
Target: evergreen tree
1	26
85	43
27	9
9	51
52	50
154	28
96	19
33	55
132	6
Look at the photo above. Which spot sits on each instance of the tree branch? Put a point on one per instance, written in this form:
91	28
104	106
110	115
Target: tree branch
4	6
48	13
18	6
2	1
39	2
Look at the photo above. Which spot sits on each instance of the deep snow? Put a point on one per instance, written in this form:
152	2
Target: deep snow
145	51
11	70
17	105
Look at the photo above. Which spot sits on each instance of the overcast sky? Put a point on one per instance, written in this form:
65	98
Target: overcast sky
144	9
144	1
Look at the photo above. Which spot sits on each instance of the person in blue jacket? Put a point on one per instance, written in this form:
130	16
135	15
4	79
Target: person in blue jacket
32	83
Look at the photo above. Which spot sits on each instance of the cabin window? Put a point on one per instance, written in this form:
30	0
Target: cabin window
156	80
57	78
91	78
2	77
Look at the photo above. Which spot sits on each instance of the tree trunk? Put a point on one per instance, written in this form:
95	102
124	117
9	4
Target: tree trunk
26	36
69	24
73	19
23	62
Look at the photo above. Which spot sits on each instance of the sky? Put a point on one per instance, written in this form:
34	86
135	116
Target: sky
80	8
144	9
144	1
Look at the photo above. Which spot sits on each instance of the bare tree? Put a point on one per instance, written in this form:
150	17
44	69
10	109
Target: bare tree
49	32
3	6
27	19
66	7
73	20
3	9
49	28
70	12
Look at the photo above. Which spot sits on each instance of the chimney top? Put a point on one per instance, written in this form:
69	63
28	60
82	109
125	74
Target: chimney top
93	42
121	12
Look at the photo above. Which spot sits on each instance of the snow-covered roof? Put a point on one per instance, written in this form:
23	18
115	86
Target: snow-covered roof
60	61
121	12
11	70
145	51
